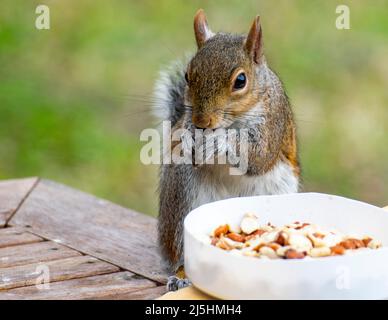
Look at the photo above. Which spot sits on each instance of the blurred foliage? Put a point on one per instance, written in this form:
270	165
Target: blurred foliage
73	99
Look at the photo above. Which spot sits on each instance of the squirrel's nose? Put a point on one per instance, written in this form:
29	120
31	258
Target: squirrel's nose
204	122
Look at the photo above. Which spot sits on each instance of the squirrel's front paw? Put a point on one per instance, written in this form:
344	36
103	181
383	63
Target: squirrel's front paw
174	283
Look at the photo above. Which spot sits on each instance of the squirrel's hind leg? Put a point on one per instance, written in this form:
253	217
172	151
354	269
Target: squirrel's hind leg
178	188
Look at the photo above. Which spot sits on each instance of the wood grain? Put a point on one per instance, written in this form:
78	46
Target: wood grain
35	252
16	236
93	226
144	294
96	287
57	270
12	194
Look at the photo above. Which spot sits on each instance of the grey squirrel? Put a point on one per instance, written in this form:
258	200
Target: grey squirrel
226	84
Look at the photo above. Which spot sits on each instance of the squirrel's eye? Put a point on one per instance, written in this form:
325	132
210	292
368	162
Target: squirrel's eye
240	81
186	77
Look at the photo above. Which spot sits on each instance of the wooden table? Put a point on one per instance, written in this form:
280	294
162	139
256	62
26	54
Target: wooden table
88	248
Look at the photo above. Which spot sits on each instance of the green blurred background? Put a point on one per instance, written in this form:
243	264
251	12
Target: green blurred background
73	99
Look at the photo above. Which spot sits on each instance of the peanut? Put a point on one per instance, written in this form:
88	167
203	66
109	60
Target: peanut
232	244
374	244
320	252
268	252
292	241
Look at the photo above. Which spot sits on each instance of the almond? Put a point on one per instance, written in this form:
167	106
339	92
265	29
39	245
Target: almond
359	243
258	247
274	246
337	250
236	237
352	243
292	241
366	241
282	239
293	254
257	233
348	244
221	230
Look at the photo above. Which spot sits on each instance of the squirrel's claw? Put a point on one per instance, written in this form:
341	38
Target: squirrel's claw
174	283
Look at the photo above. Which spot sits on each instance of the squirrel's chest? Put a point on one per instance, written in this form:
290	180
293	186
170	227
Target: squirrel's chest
220	185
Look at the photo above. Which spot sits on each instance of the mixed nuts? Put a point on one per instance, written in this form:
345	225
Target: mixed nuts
293	241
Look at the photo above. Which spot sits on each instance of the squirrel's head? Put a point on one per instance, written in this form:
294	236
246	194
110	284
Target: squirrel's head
222	76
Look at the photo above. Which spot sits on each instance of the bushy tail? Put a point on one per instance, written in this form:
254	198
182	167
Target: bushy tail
169	93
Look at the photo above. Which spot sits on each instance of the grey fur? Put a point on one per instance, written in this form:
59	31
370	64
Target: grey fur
271	133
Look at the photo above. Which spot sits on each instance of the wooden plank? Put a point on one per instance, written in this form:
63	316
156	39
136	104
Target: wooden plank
97	287
12	194
146	294
35	252
57	270
93	226
16	236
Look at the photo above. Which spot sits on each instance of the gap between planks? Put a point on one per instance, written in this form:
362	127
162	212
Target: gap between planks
34	252
53	271
16	236
37	180
119	285
13	236
60	270
17	242
93	226
12	195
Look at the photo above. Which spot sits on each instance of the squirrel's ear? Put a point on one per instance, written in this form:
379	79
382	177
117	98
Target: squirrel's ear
201	29
254	42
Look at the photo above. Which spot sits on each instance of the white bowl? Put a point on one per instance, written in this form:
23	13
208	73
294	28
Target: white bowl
358	275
